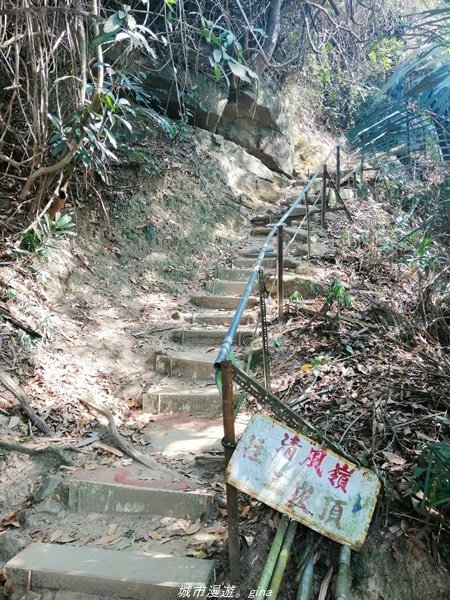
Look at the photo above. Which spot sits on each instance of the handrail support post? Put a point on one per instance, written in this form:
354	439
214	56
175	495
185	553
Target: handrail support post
280	260
338	167
324	196
308	226
264	332
229	444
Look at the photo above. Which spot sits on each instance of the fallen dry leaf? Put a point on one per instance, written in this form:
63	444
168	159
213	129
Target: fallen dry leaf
106	539
193	528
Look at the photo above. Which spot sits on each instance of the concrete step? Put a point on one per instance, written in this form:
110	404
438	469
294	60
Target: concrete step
261	219
346	194
249	261
192	365
298	213
221	302
307	287
289	232
134	490
209	336
131	575
227	288
233	274
182	399
221	317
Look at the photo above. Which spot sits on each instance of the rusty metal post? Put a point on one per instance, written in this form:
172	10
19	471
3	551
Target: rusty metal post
229	444
265	336
338	168
324	196
308	225
280	273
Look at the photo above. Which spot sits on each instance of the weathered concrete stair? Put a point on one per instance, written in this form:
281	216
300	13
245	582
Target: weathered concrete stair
248	260
298	213
192	364
288	233
221	317
181	398
226	287
133	490
234	274
108	573
204	336
220	302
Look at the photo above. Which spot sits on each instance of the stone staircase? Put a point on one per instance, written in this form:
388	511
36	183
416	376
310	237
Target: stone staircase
188	406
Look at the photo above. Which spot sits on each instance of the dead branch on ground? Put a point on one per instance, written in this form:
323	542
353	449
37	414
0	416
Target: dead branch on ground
24	401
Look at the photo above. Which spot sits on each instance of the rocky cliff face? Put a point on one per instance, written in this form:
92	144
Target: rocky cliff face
251	117
254	119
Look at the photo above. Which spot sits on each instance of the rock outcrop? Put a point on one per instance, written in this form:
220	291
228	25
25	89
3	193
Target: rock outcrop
251	118
254	120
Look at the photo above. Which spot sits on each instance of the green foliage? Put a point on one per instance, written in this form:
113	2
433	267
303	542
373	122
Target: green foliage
319	361
421	252
346	238
412	112
11	294
226	57
432	478
122	26
295	297
338	294
46	235
120	110
125	107
384	54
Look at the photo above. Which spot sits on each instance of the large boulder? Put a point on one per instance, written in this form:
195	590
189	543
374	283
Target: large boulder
254	120
252	181
202	98
307	287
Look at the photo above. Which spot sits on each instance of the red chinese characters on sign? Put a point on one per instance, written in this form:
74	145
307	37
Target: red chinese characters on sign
290	444
340	476
314	460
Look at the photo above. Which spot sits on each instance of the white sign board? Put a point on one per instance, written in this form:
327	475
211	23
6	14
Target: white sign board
300	478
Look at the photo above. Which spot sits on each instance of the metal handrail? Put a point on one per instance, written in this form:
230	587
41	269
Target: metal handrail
228	339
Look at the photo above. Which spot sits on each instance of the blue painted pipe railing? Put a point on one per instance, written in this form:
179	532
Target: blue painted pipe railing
228	339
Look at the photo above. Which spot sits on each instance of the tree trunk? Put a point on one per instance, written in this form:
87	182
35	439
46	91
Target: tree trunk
272	30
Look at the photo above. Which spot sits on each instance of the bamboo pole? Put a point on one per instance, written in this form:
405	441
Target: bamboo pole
308	226
338	168
280	567
271	561
306	581
343	575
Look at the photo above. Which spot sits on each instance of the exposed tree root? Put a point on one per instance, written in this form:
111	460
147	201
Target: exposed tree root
25	405
125	447
57	451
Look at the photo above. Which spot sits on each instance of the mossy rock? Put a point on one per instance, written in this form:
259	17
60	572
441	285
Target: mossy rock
305	286
290	263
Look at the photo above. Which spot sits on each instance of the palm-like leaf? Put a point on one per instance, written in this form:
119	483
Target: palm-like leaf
414	105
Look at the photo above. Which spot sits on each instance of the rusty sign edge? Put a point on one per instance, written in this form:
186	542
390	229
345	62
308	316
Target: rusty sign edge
356	544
